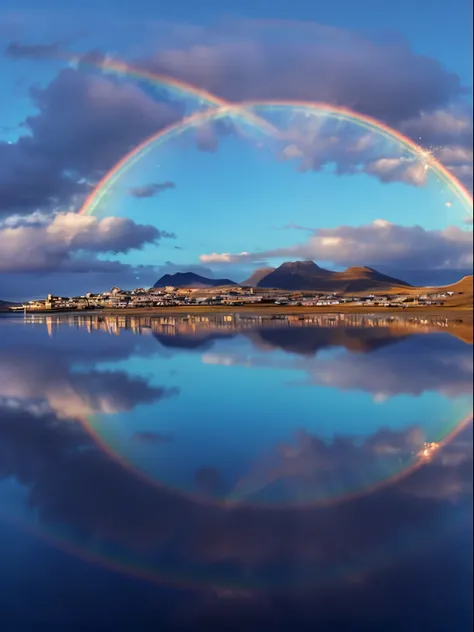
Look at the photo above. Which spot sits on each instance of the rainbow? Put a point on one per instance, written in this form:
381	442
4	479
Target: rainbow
384	130
111	177
238	500
165	134
244	110
119	67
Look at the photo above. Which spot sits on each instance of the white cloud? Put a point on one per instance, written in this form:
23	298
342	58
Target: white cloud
223	257
455	155
390	372
405	170
429	126
379	243
40	376
317	141
42	243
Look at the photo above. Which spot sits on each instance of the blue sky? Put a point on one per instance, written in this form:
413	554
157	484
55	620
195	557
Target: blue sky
63	128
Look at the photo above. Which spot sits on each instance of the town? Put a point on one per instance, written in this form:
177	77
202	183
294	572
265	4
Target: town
234	296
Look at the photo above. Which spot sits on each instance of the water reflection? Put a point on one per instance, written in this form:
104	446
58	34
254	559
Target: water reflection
180	456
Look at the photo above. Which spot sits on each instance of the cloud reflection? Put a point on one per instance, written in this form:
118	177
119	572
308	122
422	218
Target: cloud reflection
381	364
44	374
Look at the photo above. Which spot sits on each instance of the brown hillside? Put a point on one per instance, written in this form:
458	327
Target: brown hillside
259	274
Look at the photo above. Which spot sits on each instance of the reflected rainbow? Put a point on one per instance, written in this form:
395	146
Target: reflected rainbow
238	501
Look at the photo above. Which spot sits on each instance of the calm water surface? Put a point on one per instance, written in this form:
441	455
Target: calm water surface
235	473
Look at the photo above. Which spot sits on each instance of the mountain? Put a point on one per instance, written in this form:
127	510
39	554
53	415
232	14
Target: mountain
361	279
306	275
190	279
255	278
309	341
463	285
296	275
463	292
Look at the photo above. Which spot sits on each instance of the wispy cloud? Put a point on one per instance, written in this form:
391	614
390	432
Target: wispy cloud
19	50
151	190
294	227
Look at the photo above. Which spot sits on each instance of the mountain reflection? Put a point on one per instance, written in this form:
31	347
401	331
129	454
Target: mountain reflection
183	463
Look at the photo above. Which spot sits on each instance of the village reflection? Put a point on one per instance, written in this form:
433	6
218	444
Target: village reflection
194	324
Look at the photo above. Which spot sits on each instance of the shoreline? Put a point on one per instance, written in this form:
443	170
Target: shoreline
454	320
455	311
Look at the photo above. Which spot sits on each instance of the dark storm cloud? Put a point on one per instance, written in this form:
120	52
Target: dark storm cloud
151	190
83	125
385	79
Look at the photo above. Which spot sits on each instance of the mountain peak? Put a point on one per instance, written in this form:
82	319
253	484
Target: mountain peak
190	279
296	275
301	265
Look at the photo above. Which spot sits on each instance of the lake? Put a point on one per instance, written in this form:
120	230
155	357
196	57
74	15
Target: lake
235	472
